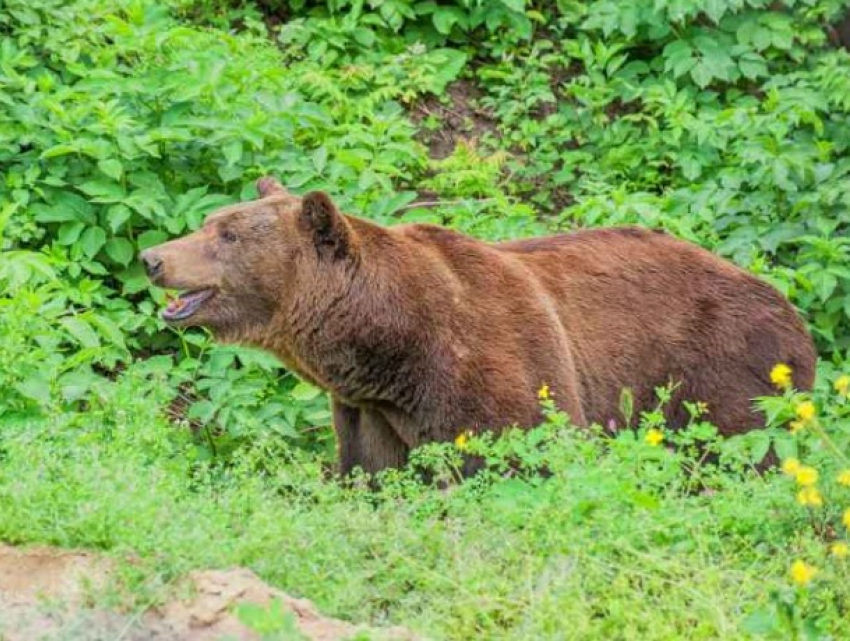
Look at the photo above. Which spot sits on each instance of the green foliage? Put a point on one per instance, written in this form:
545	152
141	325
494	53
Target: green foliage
710	119
358	24
124	123
122	127
272	623
662	540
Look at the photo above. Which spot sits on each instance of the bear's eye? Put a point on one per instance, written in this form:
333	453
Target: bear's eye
227	235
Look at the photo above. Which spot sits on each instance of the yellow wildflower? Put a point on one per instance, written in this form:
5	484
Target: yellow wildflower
842	384
806	476
810	496
806	411
796	426
654	437
846	518
839	549
780	376
790	466
802	573
844	477
461	442
543	394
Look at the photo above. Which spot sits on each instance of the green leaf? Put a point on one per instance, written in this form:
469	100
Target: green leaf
116	216
51	214
60	150
761	38
825	284
449	64
103	191
752	65
445	18
232	152
75	385
120	250
320	159
746	30
108	330
761	622
69	233
34	388
759	445
517	6
112	168
304	392
92	240
715	9
679	58
701	75
65	206
151	238
81	331
134	279
785	445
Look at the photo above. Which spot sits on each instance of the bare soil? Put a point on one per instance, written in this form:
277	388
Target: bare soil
45	593
459	115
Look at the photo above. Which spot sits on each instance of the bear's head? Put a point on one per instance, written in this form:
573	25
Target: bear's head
249	262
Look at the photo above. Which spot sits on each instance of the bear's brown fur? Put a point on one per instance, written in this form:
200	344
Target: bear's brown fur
419	332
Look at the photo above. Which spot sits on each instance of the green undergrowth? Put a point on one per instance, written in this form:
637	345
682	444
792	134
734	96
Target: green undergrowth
620	538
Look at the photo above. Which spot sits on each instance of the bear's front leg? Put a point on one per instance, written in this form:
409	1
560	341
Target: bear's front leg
365	439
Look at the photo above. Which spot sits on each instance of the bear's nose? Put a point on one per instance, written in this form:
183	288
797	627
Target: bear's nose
152	263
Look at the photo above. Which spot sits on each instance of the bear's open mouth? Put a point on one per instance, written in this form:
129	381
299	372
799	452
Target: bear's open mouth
186	304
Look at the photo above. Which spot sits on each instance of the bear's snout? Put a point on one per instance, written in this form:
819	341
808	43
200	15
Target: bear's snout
153	263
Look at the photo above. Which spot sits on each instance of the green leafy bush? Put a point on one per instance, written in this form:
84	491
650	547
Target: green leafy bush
122	127
715	120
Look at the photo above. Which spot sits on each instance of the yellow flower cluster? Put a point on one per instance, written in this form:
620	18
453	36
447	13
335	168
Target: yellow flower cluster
790	466
810	496
780	376
654	437
806	475
802	573
807	478
806	411
544	394
462	440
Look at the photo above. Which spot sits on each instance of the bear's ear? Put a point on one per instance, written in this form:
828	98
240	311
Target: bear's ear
331	232
269	186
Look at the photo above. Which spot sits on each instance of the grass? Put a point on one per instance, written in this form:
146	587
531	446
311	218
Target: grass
619	543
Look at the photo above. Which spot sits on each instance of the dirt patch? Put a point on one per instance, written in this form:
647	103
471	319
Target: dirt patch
456	117
44	594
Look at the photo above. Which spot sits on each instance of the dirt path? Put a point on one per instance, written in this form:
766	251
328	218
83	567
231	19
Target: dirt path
43	595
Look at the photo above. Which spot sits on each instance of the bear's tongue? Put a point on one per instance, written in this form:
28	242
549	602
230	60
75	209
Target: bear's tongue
185	304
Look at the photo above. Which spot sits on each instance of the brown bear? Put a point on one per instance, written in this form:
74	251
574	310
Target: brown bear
419	332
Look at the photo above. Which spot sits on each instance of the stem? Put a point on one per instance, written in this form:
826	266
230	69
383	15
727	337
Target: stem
438	203
829	442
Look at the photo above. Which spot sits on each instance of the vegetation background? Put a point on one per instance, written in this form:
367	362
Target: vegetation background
123	122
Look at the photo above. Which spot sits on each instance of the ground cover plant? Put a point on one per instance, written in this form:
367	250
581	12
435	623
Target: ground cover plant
123	123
